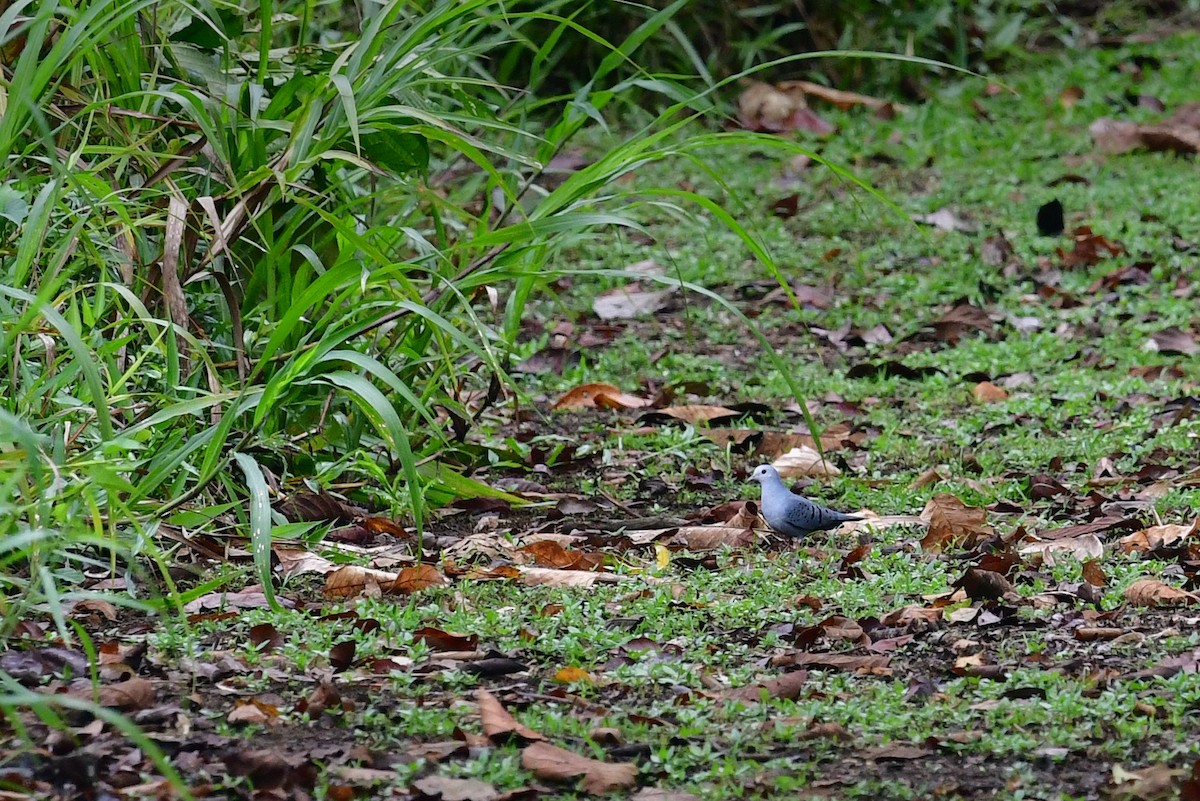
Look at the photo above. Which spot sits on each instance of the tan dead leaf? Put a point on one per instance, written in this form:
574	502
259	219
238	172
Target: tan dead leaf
708	538
95	606
298	561
448	788
803	461
417	578
629	301
1172	341
787	687
660	794
872	664
498	725
946	220
843	100
987	392
692	413
551	763
1155	783
351	580
1086	546
908	614
763	107
571	674
1155	537
253	711
599	396
1152	592
952	522
535	576
928	478
127	696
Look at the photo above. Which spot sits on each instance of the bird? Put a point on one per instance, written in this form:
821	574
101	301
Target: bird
790	514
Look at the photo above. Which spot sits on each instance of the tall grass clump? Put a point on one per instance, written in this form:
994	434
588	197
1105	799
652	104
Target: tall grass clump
250	249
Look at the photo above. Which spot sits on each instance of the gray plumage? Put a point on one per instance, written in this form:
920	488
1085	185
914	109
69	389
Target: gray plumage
791	514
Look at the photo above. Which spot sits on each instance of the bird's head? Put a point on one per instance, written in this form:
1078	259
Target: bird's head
763	473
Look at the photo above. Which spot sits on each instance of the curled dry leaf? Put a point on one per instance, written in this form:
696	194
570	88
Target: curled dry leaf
952	522
1152	592
1155	537
803	461
351	580
1085	546
498	725
552	554
599	396
551	763
843	100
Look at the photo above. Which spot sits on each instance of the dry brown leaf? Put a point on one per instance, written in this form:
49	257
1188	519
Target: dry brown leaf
127	696
952	522
763	107
551	554
1152	592
803	461
351	580
498	725
417	578
599	396
842	99
771	444
787	687
839	661
535	576
708	538
447	788
298	561
629	301
987	392
1094	574
253	711
551	763
1155	537
692	413
1085	546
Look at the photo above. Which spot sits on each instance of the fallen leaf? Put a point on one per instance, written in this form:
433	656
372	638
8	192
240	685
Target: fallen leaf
129	695
987	392
838	661
351	580
803	461
1085	546
952	522
599	396
417	578
842	99
1094	574
1173	341
630	301
552	763
1151	539
498	725
787	687
1152	592
551	577
252	711
708	538
691	414
447	788
440	640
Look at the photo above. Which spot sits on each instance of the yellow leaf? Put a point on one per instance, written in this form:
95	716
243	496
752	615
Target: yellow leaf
568	675
662	556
